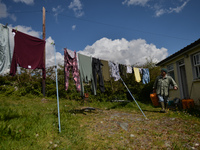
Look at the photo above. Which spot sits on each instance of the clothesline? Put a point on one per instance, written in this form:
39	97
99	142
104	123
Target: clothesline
132	67
29	53
146	70
90	67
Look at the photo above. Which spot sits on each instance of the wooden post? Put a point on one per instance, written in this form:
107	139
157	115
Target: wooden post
44	33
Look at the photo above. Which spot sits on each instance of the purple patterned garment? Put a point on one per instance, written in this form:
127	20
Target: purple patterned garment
71	63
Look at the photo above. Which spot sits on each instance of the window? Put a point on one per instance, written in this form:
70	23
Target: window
196	65
170	70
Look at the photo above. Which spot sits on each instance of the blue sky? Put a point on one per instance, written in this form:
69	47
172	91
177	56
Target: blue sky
125	31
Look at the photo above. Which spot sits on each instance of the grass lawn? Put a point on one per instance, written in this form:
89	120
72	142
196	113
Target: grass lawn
28	123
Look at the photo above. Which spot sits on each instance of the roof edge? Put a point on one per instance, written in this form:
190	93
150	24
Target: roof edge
180	52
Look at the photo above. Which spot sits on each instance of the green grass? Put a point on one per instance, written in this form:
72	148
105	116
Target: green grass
31	123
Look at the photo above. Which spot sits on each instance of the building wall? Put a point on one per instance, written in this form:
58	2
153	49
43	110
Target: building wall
193	85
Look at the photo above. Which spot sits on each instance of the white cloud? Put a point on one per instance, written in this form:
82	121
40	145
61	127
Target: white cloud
135	2
159	7
159	12
50	53
73	27
3	10
125	52
13	17
4	13
76	6
28	2
176	9
57	11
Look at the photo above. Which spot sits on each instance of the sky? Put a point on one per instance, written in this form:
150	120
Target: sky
124	31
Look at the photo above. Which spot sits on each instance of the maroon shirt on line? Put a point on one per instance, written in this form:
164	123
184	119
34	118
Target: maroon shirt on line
28	53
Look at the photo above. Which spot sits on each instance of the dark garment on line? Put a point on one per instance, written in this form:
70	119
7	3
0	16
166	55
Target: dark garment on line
28	53
96	69
105	70
122	70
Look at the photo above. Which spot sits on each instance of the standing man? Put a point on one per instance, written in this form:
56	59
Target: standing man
161	87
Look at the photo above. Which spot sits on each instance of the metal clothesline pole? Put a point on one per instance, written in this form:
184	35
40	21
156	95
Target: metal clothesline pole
57	90
133	98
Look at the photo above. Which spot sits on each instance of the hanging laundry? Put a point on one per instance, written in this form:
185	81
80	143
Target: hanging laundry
140	70
85	66
28	53
122	70
137	74
5	54
70	63
105	70
114	70
70	52
129	69
145	76
96	69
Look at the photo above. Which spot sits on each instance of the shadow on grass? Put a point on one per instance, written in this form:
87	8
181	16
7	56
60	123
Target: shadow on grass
8	117
7	114
83	110
77	111
118	105
155	111
193	112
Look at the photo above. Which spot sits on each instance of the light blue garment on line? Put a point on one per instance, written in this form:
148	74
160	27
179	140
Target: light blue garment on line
5	54
145	76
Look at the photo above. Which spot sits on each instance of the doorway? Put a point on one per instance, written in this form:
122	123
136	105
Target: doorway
182	80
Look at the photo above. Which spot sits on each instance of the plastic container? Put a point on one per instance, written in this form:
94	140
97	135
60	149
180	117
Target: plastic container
184	103
154	99
188	103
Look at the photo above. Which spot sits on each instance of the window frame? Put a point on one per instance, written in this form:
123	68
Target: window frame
196	65
170	68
